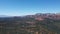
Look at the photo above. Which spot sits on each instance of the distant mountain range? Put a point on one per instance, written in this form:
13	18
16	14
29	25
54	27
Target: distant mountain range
43	15
5	16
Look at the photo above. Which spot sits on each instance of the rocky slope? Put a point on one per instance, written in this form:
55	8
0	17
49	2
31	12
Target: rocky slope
31	24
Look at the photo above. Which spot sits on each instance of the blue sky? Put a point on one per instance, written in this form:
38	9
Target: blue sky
26	7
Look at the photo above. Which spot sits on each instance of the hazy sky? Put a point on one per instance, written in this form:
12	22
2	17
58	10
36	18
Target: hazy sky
25	7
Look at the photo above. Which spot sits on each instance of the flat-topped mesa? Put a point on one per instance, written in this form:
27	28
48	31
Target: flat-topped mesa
45	14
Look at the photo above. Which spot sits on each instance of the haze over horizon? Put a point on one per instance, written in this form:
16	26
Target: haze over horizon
28	7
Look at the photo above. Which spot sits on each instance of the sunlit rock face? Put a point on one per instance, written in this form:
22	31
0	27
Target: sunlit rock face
39	18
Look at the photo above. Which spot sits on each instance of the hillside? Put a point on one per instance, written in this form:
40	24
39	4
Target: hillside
31	24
